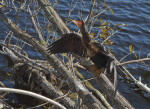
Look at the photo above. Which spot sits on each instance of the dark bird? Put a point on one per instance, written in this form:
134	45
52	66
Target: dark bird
84	47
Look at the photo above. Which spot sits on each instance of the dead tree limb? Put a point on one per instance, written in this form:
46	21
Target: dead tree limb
11	90
90	12
35	26
53	17
136	82
134	61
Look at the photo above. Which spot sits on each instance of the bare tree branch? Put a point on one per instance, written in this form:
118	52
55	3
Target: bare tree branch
90	12
34	24
53	17
134	61
11	90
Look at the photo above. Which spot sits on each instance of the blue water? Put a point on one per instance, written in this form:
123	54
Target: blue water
135	13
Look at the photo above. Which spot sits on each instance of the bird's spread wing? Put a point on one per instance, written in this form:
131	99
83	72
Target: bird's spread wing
69	43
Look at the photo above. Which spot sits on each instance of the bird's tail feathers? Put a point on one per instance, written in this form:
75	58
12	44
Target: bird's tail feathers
111	70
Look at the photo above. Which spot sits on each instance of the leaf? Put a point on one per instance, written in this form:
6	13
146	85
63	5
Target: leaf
105	5
111	11
101	21
133	48
1	6
8	73
42	42
107	34
117	25
111	29
135	55
110	42
124	24
92	34
130	48
104	23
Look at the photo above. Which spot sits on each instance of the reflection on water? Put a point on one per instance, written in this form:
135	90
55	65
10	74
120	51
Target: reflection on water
135	13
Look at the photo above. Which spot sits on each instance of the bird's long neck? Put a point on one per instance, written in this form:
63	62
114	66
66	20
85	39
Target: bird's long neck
86	40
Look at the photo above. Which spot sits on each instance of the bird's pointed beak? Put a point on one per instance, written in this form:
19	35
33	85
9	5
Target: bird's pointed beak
78	23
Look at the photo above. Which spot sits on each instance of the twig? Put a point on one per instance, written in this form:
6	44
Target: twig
34	24
134	61
2	85
90	12
137	82
148	55
142	86
125	57
100	12
38	106
13	8
11	90
15	23
112	35
24	58
69	11
79	66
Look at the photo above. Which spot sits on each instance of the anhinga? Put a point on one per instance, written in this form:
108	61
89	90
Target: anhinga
83	46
